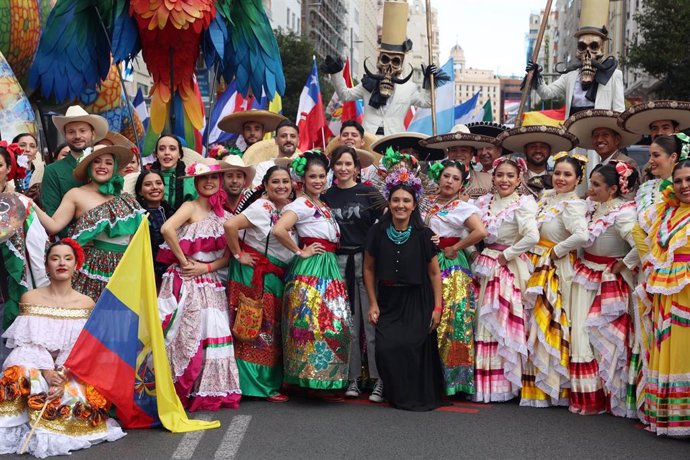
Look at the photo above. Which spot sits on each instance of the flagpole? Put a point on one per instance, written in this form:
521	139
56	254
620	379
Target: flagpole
535	55
432	88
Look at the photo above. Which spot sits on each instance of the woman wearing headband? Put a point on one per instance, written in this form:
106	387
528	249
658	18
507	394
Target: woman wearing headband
316	312
601	331
562	221
457	226
503	270
192	302
666	318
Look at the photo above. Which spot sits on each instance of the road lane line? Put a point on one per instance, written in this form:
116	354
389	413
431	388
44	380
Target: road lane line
233	437
189	442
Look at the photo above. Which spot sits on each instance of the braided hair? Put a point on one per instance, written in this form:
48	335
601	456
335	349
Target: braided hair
176	189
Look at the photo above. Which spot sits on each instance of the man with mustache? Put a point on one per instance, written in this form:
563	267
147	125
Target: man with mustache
81	130
250	124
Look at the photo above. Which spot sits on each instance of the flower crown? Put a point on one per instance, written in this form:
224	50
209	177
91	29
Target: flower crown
218	152
78	251
299	164
517	161
582	159
403	177
201	168
18	167
436	169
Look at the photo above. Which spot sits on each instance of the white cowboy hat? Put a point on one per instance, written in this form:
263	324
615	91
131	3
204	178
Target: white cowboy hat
583	123
121	154
234	123
236	162
459	136
77	113
557	138
639	116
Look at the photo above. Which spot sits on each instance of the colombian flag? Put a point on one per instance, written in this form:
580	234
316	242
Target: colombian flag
121	350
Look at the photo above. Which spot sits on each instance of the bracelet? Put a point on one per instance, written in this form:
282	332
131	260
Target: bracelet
298	253
208	268
438	309
238	255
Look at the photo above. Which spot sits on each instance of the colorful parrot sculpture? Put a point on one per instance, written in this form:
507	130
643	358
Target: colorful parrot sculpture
234	35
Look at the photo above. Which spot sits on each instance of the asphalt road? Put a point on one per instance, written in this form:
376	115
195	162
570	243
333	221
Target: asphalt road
308	429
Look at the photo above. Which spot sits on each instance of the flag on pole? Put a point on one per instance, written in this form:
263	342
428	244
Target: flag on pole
338	112
121	350
230	101
140	108
311	119
544	117
445	100
464	113
485	113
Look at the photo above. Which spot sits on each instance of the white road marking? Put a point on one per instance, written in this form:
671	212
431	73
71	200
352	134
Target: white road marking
233	437
187	446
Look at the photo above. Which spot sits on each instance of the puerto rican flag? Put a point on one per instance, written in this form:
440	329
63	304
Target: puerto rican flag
311	118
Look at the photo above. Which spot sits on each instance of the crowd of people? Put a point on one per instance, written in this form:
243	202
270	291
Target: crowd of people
401	268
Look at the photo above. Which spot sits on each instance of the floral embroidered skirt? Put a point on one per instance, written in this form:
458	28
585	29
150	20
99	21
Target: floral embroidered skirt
99	265
456	330
316	324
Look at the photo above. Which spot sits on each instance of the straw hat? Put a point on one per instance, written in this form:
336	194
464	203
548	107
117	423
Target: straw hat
263	150
557	138
116	139
206	169
401	141
234	123
122	156
583	123
639	117
459	136
236	162
77	113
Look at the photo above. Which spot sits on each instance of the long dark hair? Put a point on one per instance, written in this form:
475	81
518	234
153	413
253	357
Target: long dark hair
681	164
139	197
176	187
415	218
611	177
577	165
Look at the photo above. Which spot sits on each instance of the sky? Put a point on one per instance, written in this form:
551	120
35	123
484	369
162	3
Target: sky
491	32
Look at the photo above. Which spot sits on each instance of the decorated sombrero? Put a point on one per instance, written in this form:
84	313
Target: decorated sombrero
488	128
401	141
206	168
460	136
584	122
234	122
264	150
556	137
639	116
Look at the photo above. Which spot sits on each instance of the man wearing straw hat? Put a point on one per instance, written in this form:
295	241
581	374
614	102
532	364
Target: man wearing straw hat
594	82
81	130
387	94
236	182
251	124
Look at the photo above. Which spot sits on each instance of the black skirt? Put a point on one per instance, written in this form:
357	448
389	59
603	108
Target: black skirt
406	353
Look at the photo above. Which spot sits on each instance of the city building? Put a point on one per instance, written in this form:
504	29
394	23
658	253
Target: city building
511	94
285	15
469	81
325	25
416	31
368	36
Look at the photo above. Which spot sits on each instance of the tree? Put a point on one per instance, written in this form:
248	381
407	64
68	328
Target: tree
296	53
661	49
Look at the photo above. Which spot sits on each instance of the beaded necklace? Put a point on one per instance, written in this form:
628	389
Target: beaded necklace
397	236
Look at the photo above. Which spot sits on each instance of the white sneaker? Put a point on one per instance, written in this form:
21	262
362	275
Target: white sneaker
352	390
377	394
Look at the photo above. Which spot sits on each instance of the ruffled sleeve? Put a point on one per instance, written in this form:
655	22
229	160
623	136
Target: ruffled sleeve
625	223
259	215
300	208
526	218
120	216
575	221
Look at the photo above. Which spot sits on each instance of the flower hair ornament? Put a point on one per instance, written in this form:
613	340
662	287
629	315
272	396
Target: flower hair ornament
404	177
436	169
624	171
668	194
685	149
219	151
201	168
393	157
299	164
582	159
516	161
78	251
17	169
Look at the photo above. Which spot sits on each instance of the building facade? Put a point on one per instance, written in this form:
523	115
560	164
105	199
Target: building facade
416	31
469	81
325	25
285	15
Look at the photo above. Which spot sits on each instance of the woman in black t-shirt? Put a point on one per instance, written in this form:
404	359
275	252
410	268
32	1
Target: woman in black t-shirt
354	210
405	298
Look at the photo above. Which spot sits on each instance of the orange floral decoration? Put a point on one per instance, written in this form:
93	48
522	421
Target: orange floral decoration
11	375
95	399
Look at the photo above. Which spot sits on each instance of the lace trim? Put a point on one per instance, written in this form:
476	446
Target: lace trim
647	195
493	222
54	312
599	226
547	210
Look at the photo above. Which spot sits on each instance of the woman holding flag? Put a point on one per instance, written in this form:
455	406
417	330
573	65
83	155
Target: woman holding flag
66	413
192	301
256	287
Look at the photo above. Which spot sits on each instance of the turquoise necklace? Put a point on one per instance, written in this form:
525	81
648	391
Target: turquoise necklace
397	236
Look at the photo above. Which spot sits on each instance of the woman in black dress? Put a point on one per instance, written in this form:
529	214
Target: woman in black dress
408	307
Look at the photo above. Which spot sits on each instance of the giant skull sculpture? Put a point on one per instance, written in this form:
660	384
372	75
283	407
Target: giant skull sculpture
590	50
390	67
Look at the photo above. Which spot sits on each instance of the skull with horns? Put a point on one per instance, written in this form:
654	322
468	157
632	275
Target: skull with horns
390	67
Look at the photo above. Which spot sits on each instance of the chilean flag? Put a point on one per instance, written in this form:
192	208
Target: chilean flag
311	118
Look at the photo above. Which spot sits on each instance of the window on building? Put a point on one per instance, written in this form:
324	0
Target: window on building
287	18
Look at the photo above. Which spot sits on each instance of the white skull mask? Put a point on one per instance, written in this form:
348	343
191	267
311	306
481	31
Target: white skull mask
390	66
590	47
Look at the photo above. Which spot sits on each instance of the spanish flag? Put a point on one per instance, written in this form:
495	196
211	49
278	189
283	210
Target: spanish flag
121	350
544	117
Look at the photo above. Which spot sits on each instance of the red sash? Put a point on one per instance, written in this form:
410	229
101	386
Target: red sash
328	246
262	266
447	241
